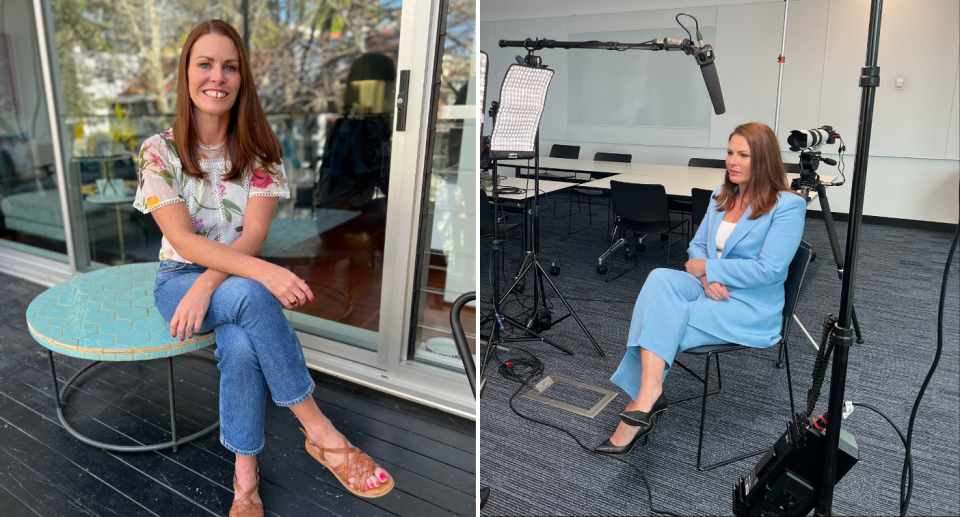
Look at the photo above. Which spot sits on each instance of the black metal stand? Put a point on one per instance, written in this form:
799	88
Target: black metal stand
834	246
175	443
842	336
532	262
495	338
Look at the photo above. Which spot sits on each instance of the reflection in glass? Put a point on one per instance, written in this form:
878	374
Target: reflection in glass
447	252
30	215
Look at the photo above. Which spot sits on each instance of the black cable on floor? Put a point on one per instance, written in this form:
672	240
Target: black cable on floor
907	459
523	370
905	500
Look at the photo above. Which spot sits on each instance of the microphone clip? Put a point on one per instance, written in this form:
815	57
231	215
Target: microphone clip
703	54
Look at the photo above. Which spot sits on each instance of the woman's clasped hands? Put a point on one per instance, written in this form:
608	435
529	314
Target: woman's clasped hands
713	290
289	289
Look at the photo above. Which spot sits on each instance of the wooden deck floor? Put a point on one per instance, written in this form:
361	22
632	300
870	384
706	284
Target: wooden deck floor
45	471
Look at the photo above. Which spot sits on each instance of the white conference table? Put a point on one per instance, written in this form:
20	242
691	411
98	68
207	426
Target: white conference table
584	167
678	180
546	187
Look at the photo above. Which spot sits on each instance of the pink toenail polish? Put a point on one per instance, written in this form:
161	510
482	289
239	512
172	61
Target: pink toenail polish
383	476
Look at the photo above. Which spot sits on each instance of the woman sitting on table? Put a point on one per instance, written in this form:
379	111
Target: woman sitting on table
732	290
212	183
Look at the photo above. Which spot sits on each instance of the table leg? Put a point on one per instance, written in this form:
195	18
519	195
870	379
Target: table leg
173	404
123	255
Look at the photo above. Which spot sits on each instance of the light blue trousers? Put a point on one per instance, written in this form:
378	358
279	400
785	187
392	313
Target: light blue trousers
660	325
256	348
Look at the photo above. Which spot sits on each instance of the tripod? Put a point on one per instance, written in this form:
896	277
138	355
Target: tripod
821	188
497	316
531	261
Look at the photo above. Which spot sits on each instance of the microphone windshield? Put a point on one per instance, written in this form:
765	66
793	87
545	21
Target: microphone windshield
712	81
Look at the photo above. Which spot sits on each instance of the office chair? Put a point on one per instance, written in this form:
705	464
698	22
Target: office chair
565	151
791	287
640	209
594	193
701	201
708	163
561	151
613	157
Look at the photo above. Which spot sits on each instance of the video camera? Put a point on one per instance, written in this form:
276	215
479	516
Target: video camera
809	142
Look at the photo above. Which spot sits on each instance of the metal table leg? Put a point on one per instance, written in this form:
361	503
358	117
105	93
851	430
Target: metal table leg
59	395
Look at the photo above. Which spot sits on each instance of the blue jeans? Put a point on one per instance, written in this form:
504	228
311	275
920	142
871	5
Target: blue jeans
256	349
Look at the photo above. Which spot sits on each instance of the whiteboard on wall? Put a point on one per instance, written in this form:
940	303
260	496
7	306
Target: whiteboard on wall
637	88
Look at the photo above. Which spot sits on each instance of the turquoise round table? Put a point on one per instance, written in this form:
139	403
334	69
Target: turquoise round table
109	315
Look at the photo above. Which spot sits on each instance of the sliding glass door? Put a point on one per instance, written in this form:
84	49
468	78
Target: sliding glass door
349	89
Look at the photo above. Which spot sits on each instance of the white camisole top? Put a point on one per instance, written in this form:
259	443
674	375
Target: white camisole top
726	228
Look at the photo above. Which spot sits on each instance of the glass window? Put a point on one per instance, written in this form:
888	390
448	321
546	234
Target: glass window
31	218
117	64
447	248
326	77
326	74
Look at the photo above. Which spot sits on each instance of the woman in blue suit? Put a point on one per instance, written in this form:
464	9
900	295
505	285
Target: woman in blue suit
732	289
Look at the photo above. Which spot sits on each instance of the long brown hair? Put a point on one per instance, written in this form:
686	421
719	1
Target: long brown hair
768	176
250	141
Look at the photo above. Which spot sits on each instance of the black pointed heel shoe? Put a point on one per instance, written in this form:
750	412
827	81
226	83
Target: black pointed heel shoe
642	418
610	449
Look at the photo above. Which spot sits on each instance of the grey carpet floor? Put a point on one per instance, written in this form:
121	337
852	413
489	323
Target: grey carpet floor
535	470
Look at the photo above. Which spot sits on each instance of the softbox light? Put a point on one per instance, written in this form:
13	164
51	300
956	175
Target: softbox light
522	97
482	87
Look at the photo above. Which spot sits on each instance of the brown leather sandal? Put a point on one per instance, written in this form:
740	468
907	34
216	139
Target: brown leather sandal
356	464
246	507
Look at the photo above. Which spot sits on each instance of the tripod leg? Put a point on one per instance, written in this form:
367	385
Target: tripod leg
523	271
490	344
569	308
856	325
520	326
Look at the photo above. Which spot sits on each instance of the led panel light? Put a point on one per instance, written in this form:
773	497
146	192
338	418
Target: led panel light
522	97
482	86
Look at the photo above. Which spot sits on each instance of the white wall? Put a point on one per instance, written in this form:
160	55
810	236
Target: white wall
914	169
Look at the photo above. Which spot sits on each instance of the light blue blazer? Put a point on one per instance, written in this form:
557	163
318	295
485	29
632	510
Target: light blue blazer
754	264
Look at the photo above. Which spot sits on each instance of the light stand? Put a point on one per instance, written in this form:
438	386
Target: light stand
842	333
495	338
516	136
772	489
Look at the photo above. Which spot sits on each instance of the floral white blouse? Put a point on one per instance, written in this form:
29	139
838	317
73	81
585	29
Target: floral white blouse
216	207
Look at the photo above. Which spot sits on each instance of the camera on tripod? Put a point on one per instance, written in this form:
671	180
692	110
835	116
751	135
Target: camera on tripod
809	142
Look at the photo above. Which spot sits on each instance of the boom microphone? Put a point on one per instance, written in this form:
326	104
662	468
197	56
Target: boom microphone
704	56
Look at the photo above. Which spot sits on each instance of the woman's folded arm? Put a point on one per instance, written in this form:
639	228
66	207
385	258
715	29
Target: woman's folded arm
778	250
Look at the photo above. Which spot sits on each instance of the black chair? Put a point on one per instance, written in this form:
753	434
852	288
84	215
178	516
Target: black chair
683	204
561	151
594	193
565	151
613	157
701	201
640	209
791	287
707	162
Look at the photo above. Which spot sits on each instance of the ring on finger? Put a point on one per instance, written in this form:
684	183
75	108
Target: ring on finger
189	329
